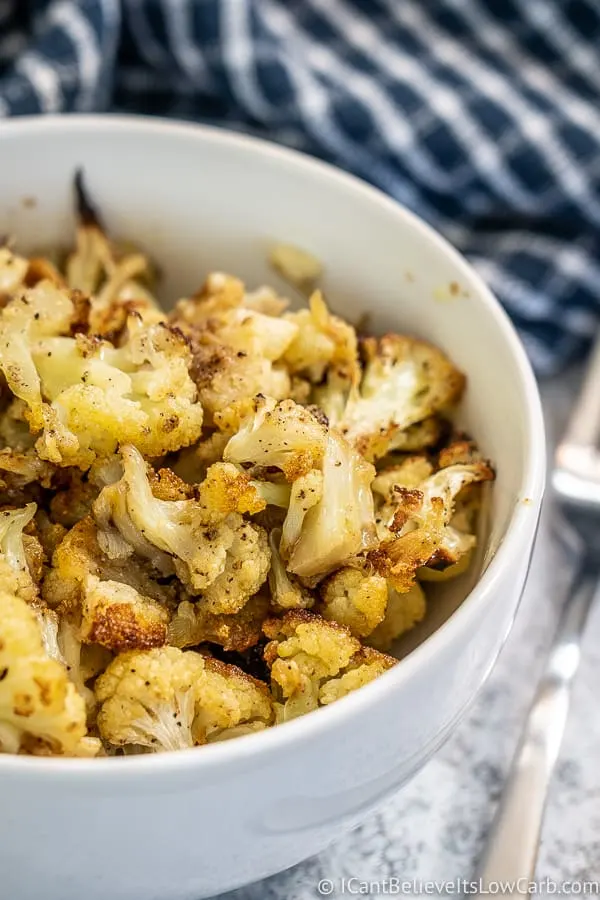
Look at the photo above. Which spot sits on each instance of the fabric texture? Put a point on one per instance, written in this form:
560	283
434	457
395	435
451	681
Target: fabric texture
483	116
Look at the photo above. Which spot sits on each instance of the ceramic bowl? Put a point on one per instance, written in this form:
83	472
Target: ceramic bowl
180	826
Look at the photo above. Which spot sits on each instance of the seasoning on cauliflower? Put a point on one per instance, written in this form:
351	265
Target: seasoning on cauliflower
194	624
40	709
355	598
281	435
111	601
403	612
421	523
304	654
226	490
405	381
235	347
216	554
342	524
87	396
167	699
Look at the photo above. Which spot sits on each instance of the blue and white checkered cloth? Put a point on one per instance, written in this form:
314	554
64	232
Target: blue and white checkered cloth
483	116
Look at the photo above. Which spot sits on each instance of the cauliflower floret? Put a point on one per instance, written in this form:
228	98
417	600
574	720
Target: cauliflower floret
112	602
40	710
365	666
342	524
324	344
405	381
254	333
286	591
282	435
13	550
356	599
218	555
305	653
227	490
402	613
26	322
421	523
246	568
167	699
224	376
221	311
194	624
116	616
87	396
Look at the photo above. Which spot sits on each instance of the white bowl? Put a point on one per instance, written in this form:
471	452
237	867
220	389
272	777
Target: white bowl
185	825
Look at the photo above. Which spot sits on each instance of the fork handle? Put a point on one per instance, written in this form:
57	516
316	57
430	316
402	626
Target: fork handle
513	840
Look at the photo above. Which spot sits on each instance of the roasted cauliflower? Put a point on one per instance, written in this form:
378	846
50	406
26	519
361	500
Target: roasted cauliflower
169	700
404	383
40	709
312	661
212	519
85	395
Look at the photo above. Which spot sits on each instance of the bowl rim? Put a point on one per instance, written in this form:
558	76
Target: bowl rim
523	521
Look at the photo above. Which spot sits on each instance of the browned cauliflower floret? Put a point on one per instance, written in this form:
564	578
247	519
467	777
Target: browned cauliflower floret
304	654
403	612
215	554
168	700
194	624
250	323
282	435
421	522
365	666
227	490
116	616
114	602
224	376
324	344
86	396
234	346
40	709
355	598
405	381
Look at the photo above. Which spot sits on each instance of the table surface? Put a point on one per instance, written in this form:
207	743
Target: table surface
434	828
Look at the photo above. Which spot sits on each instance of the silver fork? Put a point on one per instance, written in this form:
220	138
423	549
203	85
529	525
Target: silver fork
513	840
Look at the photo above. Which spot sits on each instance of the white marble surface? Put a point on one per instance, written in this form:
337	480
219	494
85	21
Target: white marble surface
434	828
